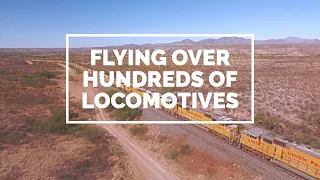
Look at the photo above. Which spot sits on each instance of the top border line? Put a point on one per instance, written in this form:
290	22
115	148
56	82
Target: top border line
160	35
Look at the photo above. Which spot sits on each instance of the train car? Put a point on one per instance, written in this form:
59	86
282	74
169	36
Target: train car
302	158
258	140
298	157
127	89
229	131
193	114
136	90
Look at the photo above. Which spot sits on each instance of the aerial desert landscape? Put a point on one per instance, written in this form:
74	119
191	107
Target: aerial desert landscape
36	143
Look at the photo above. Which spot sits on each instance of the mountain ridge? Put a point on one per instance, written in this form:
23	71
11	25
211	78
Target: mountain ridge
240	40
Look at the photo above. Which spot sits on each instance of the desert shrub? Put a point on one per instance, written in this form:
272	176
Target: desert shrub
47	74
314	118
210	171
185	149
1	147
68	176
91	133
266	121
78	105
78	71
11	138
166	89
55	124
71	78
29	99
162	138
315	143
127	113
307	139
37	81
84	164
138	130
30	81
29	120
116	150
173	154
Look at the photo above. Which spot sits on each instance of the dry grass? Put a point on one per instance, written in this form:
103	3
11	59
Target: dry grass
35	142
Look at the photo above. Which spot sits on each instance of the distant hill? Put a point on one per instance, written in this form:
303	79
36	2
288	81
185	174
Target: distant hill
240	40
184	42
225	40
289	40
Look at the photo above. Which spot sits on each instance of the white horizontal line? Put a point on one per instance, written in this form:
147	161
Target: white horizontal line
159	35
159	122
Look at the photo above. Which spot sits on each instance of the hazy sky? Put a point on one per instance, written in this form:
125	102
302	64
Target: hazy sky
44	24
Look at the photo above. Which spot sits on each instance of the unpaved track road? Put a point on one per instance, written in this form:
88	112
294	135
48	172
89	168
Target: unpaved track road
152	169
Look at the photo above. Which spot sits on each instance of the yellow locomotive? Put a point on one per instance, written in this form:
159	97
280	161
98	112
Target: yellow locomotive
299	157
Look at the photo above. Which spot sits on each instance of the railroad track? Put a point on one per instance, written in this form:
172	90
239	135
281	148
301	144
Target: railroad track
258	156
289	174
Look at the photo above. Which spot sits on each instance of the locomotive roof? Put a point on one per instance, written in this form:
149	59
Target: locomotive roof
200	111
267	135
231	126
302	148
312	152
224	118
256	132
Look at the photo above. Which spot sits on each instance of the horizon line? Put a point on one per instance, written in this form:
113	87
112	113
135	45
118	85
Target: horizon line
162	35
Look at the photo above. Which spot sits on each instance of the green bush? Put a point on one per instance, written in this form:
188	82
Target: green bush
315	143
78	71
55	124
30	81
166	89
93	134
266	121
127	113
68	176
173	154
84	164
185	149
47	74
307	139
11	138
38	80
1	147
138	130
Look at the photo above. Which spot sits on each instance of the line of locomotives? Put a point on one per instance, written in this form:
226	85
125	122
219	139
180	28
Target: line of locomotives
297	156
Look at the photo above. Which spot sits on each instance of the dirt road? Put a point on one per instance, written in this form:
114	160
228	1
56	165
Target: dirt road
151	168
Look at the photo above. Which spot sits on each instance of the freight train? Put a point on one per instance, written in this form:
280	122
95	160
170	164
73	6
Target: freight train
299	157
